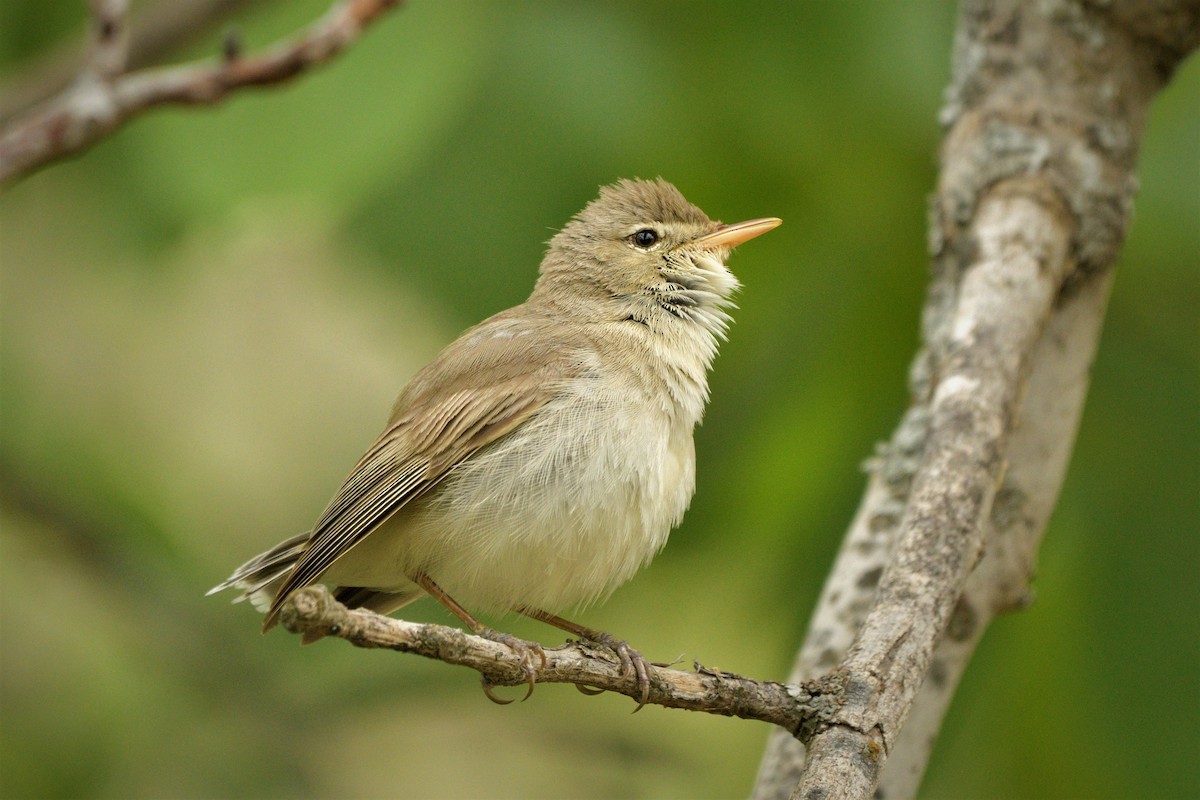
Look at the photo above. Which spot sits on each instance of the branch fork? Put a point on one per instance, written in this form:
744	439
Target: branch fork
105	96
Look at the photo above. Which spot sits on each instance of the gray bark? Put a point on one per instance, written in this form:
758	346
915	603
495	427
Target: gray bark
1043	121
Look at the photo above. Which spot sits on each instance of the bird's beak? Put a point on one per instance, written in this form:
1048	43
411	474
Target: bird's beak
733	235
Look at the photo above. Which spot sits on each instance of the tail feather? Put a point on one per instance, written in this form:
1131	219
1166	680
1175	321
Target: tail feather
259	580
260	577
379	602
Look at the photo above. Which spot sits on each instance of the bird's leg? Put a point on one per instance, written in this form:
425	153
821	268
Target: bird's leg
633	664
527	650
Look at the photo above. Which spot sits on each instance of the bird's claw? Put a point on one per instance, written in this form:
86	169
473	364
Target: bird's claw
633	664
487	690
527	651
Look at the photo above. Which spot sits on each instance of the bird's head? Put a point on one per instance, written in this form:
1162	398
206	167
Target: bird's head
641	251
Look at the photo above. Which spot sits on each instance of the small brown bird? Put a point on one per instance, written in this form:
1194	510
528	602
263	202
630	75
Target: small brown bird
544	456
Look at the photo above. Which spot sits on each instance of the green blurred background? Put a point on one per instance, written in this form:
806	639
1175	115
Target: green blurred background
206	318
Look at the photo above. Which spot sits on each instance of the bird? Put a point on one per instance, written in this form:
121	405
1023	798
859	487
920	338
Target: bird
544	456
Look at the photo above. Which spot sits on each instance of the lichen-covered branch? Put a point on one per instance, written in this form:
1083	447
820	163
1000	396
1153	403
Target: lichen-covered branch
799	709
1037	456
1043	121
1005	296
104	97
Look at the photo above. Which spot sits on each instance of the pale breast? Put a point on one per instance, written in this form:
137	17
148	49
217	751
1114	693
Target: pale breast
561	511
564	510
554	516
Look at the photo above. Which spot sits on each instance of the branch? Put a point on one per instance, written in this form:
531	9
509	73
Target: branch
103	98
1044	118
155	31
1005	297
800	709
110	43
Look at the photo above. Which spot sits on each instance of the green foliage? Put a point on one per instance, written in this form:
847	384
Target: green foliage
205	319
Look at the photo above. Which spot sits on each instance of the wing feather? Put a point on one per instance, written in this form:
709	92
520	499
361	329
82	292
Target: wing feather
478	390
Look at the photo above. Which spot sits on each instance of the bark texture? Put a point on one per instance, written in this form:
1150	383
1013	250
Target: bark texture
1042	125
799	709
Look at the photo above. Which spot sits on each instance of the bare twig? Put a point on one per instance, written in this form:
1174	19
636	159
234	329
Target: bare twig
110	38
1044	119
155	30
800	709
100	101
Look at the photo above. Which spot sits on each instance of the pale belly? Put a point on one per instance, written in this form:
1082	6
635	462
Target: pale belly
553	516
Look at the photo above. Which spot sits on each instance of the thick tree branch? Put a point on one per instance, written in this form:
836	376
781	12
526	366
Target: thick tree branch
313	613
1038	451
1043	121
1005	297
103	98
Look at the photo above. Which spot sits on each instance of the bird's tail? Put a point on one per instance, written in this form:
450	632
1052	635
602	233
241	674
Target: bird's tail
260	577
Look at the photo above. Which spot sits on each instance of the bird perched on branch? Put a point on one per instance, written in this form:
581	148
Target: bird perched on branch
544	456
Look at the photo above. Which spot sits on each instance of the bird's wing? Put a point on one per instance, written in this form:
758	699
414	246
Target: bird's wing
480	388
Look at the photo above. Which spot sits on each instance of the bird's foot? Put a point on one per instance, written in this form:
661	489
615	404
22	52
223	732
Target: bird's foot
633	663
529	652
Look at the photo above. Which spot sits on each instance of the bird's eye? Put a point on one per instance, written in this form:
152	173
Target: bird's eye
645	238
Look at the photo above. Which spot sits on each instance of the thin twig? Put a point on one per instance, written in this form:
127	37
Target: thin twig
110	38
800	709
102	101
155	30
